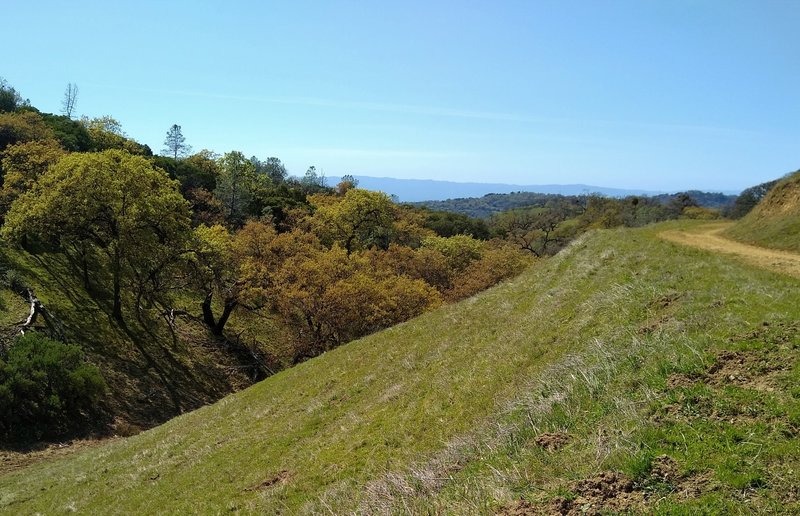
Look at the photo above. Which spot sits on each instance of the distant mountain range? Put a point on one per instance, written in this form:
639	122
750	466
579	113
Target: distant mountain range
414	190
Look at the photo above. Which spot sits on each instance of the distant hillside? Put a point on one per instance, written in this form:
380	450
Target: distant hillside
775	221
715	200
490	204
414	190
627	374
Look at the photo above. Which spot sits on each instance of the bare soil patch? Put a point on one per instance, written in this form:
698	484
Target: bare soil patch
613	492
281	478
552	441
606	492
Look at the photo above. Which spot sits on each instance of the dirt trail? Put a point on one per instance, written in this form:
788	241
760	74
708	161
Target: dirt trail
708	237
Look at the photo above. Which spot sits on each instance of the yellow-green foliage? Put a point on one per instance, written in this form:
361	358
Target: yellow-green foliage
440	414
775	221
700	213
23	163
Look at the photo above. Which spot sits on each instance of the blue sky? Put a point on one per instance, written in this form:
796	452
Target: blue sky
635	94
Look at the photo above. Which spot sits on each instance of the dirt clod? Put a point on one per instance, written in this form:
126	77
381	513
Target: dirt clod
552	441
606	492
665	469
281	478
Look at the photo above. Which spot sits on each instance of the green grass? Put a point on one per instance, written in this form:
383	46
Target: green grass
775	222
439	414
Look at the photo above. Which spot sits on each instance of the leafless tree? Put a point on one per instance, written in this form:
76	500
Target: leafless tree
70	99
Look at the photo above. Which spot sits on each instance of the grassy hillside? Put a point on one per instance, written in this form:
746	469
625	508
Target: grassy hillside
152	373
775	221
627	372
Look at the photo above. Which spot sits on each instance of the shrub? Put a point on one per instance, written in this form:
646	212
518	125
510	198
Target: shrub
13	280
46	389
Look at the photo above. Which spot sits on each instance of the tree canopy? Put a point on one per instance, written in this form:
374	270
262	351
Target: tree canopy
128	210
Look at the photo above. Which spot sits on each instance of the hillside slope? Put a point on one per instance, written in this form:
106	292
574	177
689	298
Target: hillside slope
154	371
775	221
624	366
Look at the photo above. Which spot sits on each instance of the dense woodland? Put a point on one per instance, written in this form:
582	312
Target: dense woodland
492	204
202	237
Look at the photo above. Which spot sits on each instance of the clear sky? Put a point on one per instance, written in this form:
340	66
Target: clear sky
661	95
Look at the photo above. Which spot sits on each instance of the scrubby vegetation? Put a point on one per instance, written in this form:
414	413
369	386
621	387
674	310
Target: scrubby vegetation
46	388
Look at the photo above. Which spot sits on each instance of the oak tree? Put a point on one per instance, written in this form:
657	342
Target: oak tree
125	208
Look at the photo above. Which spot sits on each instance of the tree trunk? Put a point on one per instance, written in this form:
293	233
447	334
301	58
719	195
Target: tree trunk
116	312
226	312
208	314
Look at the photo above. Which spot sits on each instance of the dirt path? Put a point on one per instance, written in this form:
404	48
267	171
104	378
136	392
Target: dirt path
708	237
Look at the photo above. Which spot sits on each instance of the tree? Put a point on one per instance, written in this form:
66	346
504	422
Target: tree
357	220
22	165
238	269
448	224
493	266
313	181
276	171
458	250
10	99
23	126
235	185
106	133
175	143
348	182
70	99
118	203
71	134
535	230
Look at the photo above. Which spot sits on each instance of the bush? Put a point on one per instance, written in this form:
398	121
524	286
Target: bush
13	280
46	389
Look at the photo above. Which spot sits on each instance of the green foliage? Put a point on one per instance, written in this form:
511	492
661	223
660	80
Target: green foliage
71	134
748	199
492	204
175	144
10	99
114	201
235	186
13	280
447	224
313	181
541	231
272	168
190	173
105	133
23	126
458	250
22	165
699	213
46	389
358	220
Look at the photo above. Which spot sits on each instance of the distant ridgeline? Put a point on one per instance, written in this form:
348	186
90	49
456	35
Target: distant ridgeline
491	204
